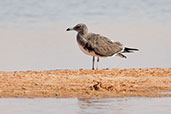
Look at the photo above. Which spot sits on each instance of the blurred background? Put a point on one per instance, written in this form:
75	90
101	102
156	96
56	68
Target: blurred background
33	33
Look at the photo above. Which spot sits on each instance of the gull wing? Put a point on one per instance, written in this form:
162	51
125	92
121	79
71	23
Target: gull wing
101	45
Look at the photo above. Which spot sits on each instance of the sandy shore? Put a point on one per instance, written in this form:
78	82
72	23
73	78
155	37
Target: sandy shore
151	82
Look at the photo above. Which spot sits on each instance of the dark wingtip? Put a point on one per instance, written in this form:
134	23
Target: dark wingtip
129	50
136	49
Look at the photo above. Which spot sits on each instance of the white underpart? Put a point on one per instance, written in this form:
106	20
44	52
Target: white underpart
91	53
122	50
111	40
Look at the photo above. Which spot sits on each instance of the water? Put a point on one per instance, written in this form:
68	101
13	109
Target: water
45	11
132	105
33	36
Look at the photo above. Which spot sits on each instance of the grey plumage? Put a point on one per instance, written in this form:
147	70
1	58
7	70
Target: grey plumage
97	45
101	46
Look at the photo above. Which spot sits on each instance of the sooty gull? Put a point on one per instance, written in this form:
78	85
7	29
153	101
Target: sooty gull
97	45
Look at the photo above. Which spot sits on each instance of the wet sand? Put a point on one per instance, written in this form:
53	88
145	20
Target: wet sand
150	82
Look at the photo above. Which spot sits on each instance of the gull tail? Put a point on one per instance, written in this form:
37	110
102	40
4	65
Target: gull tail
126	50
129	50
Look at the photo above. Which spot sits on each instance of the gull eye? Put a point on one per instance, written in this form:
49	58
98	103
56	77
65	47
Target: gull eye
78	26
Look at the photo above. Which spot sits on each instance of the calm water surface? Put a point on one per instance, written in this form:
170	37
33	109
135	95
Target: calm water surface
33	32
132	105
38	11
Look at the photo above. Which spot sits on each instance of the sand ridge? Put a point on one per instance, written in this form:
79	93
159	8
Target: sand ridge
149	82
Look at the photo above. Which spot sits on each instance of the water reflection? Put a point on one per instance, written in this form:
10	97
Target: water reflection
129	105
132	105
101	106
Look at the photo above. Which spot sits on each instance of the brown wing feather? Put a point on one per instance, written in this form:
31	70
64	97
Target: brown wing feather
102	46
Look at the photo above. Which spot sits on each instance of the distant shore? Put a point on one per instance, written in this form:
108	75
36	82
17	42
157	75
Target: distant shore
149	82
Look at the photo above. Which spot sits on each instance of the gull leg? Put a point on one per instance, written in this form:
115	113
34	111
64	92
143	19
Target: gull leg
97	62
93	63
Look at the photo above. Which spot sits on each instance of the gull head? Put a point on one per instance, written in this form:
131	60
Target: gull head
81	28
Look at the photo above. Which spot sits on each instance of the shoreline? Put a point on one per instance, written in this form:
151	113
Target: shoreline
143	82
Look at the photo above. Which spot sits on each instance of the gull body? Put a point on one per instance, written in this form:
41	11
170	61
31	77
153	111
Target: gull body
98	46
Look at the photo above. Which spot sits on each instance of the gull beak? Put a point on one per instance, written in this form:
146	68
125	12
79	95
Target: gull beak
69	29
